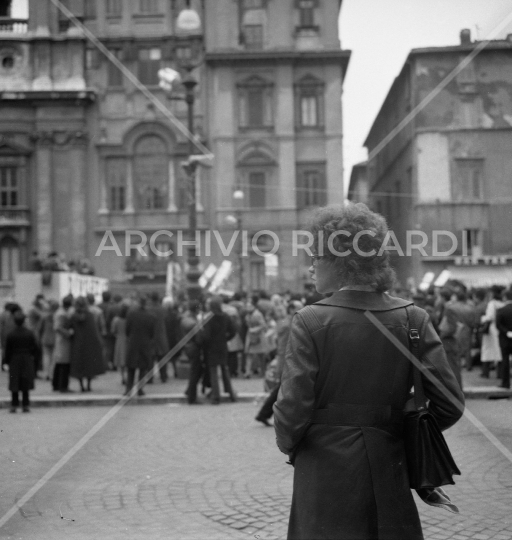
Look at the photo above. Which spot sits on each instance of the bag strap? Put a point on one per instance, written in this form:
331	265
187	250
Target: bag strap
414	346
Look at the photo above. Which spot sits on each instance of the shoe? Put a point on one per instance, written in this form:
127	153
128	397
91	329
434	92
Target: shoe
247	376
263	421
233	399
141	393
12	410
26	409
215	402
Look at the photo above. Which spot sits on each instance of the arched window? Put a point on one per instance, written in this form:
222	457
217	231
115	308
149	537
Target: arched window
151	173
9	258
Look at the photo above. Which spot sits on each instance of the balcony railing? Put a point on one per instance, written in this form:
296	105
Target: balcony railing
149	265
13	26
14	217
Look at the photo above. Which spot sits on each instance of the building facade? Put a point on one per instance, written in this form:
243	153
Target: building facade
84	153
448	168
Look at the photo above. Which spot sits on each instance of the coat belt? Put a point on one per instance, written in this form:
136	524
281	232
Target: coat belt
348	414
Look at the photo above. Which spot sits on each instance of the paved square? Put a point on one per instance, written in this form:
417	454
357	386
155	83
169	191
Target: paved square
205	472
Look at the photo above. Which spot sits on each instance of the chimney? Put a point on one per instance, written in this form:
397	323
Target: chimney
465	36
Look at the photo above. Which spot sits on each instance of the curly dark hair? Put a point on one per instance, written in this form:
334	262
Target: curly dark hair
353	268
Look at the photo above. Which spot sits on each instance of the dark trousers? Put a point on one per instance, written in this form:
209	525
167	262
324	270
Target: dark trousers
60	381
226	380
162	370
266	409
233	363
195	374
130	380
15	399
506	351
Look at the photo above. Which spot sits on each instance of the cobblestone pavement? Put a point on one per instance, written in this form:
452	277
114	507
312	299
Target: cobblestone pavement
206	473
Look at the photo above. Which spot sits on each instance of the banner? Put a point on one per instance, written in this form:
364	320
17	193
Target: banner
221	275
271	265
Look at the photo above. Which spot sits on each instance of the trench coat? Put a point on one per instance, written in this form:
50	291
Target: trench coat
490	351
86	358
140	330
21	350
339	411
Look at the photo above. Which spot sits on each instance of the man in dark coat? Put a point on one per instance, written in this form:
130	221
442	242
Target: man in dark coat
160	344
172	329
21	350
110	310
193	349
140	331
217	332
504	326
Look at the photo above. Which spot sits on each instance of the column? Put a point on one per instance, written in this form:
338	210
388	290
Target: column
103	209
78	225
129	209
171	188
44	206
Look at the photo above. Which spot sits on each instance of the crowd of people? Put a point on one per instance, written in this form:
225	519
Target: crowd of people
79	339
474	325
246	337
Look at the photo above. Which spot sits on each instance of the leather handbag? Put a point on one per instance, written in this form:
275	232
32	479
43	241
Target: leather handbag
429	461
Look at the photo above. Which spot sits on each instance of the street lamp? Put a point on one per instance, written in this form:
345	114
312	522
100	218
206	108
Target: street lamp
189	54
238	197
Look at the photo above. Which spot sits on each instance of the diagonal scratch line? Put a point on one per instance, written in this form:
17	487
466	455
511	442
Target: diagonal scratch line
87	437
441	86
133	79
424	371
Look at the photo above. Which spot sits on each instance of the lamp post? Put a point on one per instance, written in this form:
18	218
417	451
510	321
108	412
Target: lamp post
238	197
189	55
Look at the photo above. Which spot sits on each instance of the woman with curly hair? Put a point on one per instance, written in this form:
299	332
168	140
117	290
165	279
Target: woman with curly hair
345	386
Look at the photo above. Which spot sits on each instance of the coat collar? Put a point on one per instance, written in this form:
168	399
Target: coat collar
363	300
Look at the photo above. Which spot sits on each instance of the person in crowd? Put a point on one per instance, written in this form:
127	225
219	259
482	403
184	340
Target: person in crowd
490	353
109	309
504	325
87	360
235	344
238	302
21	349
119	331
34	321
97	313
140	331
172	323
467	321
7	324
255	345
282	334
193	349
448	334
160	344
345	386
217	332
62	349
48	339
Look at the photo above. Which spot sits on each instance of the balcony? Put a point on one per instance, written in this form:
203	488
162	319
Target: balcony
13	26
147	266
14	217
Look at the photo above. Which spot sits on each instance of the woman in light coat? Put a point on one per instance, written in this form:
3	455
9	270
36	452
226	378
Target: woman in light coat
490	351
255	342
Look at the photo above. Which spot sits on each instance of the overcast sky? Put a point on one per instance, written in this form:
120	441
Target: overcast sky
380	34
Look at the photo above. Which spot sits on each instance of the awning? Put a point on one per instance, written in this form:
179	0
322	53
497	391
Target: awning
482	276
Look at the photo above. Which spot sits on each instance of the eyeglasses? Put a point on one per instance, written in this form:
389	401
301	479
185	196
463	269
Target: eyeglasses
315	258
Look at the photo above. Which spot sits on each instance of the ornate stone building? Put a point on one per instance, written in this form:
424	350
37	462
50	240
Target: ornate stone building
82	151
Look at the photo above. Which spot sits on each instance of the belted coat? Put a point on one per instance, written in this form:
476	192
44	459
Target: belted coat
350	476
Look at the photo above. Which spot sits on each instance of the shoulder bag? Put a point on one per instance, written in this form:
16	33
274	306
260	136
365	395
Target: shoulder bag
429	461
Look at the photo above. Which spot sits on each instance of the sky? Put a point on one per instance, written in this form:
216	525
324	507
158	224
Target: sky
380	34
